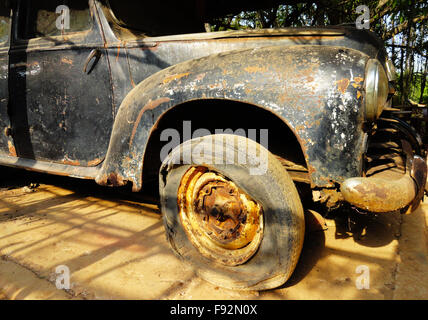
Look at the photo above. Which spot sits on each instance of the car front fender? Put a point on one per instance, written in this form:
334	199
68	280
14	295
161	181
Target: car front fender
316	90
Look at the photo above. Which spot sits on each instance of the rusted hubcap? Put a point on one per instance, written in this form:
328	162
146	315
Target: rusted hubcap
221	220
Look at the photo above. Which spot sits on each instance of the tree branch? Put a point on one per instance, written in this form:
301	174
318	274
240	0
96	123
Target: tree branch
401	27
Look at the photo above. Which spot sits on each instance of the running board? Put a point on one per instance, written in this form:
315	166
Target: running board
50	167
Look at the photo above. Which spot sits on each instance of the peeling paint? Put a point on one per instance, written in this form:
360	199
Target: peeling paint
12	150
71	162
342	85
67	61
254	69
94	162
175	77
149	106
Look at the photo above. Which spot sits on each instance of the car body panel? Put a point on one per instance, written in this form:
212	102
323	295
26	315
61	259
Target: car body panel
54	105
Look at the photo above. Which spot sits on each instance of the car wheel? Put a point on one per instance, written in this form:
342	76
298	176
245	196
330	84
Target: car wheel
239	228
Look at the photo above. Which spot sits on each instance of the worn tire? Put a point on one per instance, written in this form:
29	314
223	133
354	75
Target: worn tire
283	219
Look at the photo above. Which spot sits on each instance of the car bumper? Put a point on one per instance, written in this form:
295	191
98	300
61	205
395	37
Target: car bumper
388	191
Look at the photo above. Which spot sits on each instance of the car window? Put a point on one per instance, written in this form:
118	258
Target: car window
49	18
4	22
158	18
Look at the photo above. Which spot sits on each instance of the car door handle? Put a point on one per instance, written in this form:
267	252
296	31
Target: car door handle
95	54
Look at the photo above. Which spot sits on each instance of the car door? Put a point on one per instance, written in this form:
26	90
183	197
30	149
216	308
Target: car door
6	142
61	95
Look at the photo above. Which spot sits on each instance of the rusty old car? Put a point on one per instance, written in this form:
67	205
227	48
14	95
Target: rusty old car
89	88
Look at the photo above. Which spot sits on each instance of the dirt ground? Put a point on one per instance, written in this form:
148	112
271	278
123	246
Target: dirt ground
113	244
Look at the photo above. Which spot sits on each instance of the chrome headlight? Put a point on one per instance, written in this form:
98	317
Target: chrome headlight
376	89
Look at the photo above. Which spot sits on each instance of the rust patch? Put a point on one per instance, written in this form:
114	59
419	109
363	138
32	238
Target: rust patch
358	79
201	76
12	150
175	77
118	49
113	179
342	85
379	193
300	128
70	162
67	61
358	94
149	106
330	197
118	53
255	69
95	162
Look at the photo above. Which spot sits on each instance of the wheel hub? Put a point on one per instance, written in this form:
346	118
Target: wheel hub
221	220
